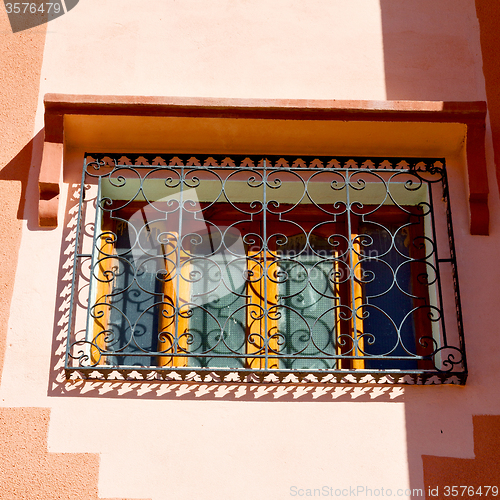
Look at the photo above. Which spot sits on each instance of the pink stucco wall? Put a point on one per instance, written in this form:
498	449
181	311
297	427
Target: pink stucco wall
186	441
21	61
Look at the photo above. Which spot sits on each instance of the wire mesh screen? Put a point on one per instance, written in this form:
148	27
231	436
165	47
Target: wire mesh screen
266	268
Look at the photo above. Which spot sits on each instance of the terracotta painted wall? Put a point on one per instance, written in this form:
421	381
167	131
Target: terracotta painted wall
27	469
488	14
483	469
20	66
183	441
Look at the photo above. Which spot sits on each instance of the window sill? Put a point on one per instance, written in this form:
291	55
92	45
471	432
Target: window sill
261	377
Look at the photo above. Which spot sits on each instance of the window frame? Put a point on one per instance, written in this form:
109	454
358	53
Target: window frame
353	370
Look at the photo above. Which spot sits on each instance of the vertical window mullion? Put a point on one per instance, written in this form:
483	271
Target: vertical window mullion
264	258
352	281
103	289
178	269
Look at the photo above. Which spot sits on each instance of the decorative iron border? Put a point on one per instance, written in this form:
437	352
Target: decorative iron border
417	166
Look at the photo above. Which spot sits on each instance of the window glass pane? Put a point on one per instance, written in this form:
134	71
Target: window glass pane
136	290
307	312
217	325
388	327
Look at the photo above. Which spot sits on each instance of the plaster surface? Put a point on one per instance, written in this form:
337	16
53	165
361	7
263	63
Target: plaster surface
20	67
479	475
243	48
242	442
29	471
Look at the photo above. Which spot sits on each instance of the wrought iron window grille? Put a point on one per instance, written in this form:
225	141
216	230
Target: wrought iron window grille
275	269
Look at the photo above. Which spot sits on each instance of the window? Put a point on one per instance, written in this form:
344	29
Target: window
267	267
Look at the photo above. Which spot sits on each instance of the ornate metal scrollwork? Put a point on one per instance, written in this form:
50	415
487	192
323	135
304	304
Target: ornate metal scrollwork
279	268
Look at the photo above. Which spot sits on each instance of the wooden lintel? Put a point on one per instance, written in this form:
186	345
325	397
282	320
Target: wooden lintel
472	114
49	183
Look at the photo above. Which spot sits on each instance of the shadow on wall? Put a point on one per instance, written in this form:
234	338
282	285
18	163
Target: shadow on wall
14	190
475	477
427	54
431	53
25	164
488	14
23	433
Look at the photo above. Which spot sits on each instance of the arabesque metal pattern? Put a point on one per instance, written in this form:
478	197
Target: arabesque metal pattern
265	268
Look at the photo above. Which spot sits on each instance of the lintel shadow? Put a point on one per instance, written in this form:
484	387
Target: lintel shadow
25	169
